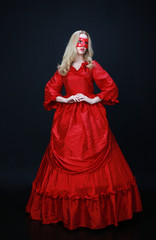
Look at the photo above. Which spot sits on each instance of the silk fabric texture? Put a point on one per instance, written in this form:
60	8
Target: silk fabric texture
80	137
83	180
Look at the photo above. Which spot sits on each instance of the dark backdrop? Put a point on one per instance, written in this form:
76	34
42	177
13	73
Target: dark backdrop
34	35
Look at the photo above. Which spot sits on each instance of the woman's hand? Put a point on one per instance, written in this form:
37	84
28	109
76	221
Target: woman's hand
81	97
72	99
76	98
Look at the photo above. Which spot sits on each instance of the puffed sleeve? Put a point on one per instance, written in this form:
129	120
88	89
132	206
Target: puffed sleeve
52	90
109	90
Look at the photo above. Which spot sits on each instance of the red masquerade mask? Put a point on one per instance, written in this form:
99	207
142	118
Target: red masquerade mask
83	42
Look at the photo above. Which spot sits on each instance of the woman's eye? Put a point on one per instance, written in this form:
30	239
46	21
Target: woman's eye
79	41
86	42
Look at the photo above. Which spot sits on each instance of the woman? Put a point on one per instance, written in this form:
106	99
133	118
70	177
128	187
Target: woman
83	179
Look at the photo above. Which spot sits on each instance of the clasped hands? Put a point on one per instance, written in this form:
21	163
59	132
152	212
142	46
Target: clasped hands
79	97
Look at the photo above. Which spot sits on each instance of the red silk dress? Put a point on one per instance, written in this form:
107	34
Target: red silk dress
83	179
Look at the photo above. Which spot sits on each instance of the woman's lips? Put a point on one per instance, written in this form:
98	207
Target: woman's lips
81	49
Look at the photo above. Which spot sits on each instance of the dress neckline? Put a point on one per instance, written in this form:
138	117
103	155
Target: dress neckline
80	68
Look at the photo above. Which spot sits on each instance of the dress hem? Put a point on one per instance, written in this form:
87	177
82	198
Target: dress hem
116	224
109	208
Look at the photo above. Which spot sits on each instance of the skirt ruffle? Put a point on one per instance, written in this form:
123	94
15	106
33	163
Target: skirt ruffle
94	200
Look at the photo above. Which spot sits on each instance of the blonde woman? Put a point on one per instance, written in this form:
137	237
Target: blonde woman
83	179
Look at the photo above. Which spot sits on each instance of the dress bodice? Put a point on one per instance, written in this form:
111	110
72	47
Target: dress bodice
81	81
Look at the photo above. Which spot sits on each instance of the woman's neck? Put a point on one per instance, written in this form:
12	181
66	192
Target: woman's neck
79	58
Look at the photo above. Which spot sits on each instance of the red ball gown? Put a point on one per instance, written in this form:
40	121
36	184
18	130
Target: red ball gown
83	179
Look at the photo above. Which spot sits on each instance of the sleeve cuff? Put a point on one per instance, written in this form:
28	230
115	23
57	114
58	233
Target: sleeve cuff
51	103
107	101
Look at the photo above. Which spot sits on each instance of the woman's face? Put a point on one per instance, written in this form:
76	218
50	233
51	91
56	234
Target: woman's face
82	44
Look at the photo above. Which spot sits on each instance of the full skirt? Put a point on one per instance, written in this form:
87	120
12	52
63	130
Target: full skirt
84	179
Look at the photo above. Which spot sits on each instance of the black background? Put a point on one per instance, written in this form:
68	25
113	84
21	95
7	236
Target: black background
34	35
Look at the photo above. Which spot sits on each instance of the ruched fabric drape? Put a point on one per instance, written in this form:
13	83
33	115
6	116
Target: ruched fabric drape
84	179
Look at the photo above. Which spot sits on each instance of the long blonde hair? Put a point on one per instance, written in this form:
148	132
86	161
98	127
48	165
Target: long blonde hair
71	53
